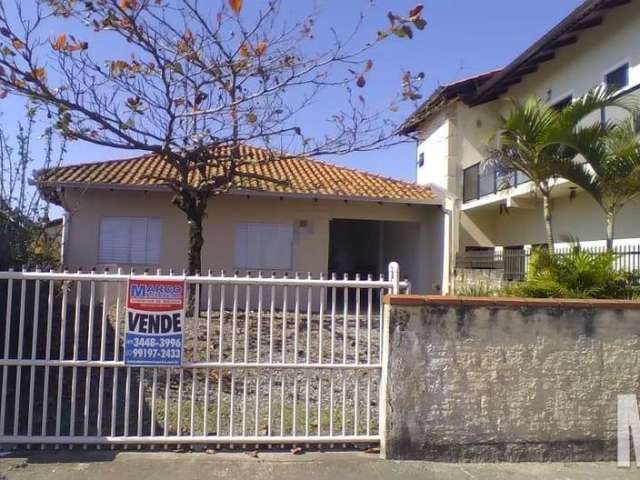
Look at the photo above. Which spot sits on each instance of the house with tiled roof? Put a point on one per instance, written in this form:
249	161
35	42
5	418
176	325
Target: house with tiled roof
493	219
315	217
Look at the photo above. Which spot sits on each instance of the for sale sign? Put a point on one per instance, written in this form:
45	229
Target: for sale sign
155	314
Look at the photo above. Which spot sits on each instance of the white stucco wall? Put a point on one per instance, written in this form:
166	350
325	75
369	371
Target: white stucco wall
575	69
434	144
580	66
580	218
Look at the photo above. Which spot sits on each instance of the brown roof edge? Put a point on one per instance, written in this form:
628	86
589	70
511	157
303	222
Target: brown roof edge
424	300
442	96
568	25
487	86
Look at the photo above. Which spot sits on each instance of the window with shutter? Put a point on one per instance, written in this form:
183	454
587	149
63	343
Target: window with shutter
263	246
130	240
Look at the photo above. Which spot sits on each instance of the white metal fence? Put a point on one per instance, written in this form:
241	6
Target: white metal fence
514	262
266	360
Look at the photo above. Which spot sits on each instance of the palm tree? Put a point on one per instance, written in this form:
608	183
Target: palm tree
532	140
611	173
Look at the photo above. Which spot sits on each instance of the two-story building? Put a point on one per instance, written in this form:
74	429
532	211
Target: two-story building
597	43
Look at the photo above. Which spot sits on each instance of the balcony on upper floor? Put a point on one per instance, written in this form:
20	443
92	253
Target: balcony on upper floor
485	185
483	181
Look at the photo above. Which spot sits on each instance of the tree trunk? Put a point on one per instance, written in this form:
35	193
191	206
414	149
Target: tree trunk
194	259
546	206
196	240
611	220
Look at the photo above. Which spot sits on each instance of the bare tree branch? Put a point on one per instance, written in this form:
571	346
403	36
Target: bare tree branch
187	77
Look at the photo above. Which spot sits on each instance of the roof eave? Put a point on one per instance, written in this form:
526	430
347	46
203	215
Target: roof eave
543	49
307	196
427	108
441	98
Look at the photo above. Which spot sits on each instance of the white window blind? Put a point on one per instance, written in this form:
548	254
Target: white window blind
130	240
264	246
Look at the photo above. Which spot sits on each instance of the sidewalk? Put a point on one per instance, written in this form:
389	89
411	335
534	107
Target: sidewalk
99	465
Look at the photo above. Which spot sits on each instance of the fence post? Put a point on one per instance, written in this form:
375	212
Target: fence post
394	277
384	380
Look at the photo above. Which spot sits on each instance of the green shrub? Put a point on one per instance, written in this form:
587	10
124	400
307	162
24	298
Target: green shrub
25	243
578	274
478	290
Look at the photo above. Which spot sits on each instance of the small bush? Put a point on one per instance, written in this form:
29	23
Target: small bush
479	290
25	243
579	274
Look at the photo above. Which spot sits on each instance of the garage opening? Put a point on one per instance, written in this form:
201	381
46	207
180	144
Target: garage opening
354	247
366	247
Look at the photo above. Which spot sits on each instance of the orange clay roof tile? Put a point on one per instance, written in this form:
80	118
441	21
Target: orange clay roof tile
303	176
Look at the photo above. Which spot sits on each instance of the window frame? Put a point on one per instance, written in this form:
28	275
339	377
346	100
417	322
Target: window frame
466	199
129	260
560	98
613	68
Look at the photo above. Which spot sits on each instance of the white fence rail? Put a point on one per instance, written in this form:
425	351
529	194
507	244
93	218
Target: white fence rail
514	263
266	360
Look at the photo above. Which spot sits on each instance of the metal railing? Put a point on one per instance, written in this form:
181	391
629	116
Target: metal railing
266	360
514	263
479	182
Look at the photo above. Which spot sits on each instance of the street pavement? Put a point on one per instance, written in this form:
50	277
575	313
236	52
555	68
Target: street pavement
135	465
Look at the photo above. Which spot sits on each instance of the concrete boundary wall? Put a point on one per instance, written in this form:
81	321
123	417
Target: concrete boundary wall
484	379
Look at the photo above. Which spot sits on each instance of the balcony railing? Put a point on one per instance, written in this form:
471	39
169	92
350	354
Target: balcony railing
479	182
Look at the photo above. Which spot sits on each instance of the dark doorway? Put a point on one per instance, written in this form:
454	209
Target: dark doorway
354	247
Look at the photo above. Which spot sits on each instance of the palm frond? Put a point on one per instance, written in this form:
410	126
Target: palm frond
592	101
581	175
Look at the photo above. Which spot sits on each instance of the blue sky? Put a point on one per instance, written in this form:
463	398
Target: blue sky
463	38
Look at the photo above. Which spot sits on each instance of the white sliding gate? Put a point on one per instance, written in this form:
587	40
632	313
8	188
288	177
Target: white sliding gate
266	360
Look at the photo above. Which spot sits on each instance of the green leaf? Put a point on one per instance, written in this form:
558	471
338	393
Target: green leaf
399	32
420	23
403	31
128	124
